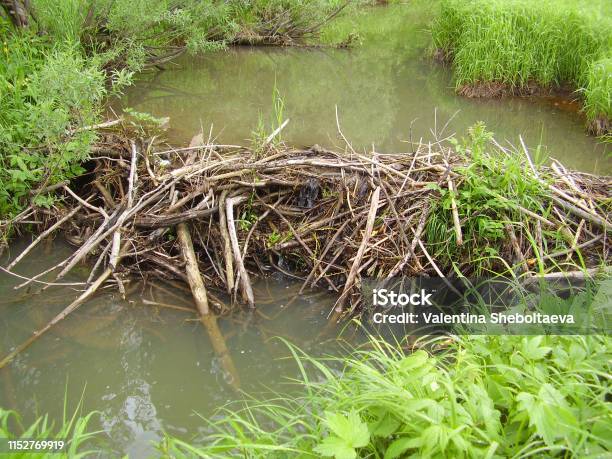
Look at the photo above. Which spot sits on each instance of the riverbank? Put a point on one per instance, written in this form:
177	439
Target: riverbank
521	48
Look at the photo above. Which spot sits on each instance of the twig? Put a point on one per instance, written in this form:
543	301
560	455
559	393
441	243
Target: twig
364	242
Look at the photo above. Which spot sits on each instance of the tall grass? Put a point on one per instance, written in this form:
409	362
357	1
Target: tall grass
477	396
598	95
518	43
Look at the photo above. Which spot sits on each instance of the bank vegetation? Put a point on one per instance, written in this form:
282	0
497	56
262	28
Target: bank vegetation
520	47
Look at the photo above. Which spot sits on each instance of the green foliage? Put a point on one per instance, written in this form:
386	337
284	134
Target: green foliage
598	89
55	75
347	433
483	396
519	42
261	133
274	238
132	32
46	94
489	189
74	429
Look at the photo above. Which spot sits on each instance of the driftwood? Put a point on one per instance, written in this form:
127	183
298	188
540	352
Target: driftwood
201	299
212	216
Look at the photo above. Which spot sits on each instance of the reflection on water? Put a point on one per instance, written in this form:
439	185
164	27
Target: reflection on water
386	91
147	369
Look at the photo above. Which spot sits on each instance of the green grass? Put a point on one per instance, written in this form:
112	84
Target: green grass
477	396
518	42
74	429
598	94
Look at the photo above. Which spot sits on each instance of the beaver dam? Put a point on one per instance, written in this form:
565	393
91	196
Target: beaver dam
216	216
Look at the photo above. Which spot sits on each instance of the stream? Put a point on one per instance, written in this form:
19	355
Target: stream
149	368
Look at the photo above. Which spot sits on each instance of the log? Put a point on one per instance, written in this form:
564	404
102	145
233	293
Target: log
193	271
209	321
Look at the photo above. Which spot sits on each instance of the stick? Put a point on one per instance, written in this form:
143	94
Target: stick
276	132
364	242
114	254
62	315
456	222
245	282
516	247
598	221
411	253
227	244
43	235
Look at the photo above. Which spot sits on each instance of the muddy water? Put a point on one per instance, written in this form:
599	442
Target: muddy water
147	369
386	91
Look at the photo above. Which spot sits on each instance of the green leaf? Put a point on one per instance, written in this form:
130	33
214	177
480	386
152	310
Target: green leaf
351	428
401	445
384	426
336	447
414	360
549	414
350	433
532	349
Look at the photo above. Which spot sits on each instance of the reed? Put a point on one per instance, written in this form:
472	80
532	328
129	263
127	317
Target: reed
517	46
74	429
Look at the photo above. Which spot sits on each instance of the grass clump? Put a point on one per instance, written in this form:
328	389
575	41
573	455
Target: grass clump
488	193
482	396
74	430
511	46
598	96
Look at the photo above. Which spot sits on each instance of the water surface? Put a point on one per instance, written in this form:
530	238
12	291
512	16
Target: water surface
148	369
383	94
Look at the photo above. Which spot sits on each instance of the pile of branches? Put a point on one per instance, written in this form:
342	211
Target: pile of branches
328	218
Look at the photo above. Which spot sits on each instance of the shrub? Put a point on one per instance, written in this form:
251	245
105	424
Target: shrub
46	93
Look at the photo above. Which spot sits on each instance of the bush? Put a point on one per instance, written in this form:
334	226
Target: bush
46	92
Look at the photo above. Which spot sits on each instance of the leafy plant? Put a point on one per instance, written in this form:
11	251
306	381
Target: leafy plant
347	434
487	193
481	396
